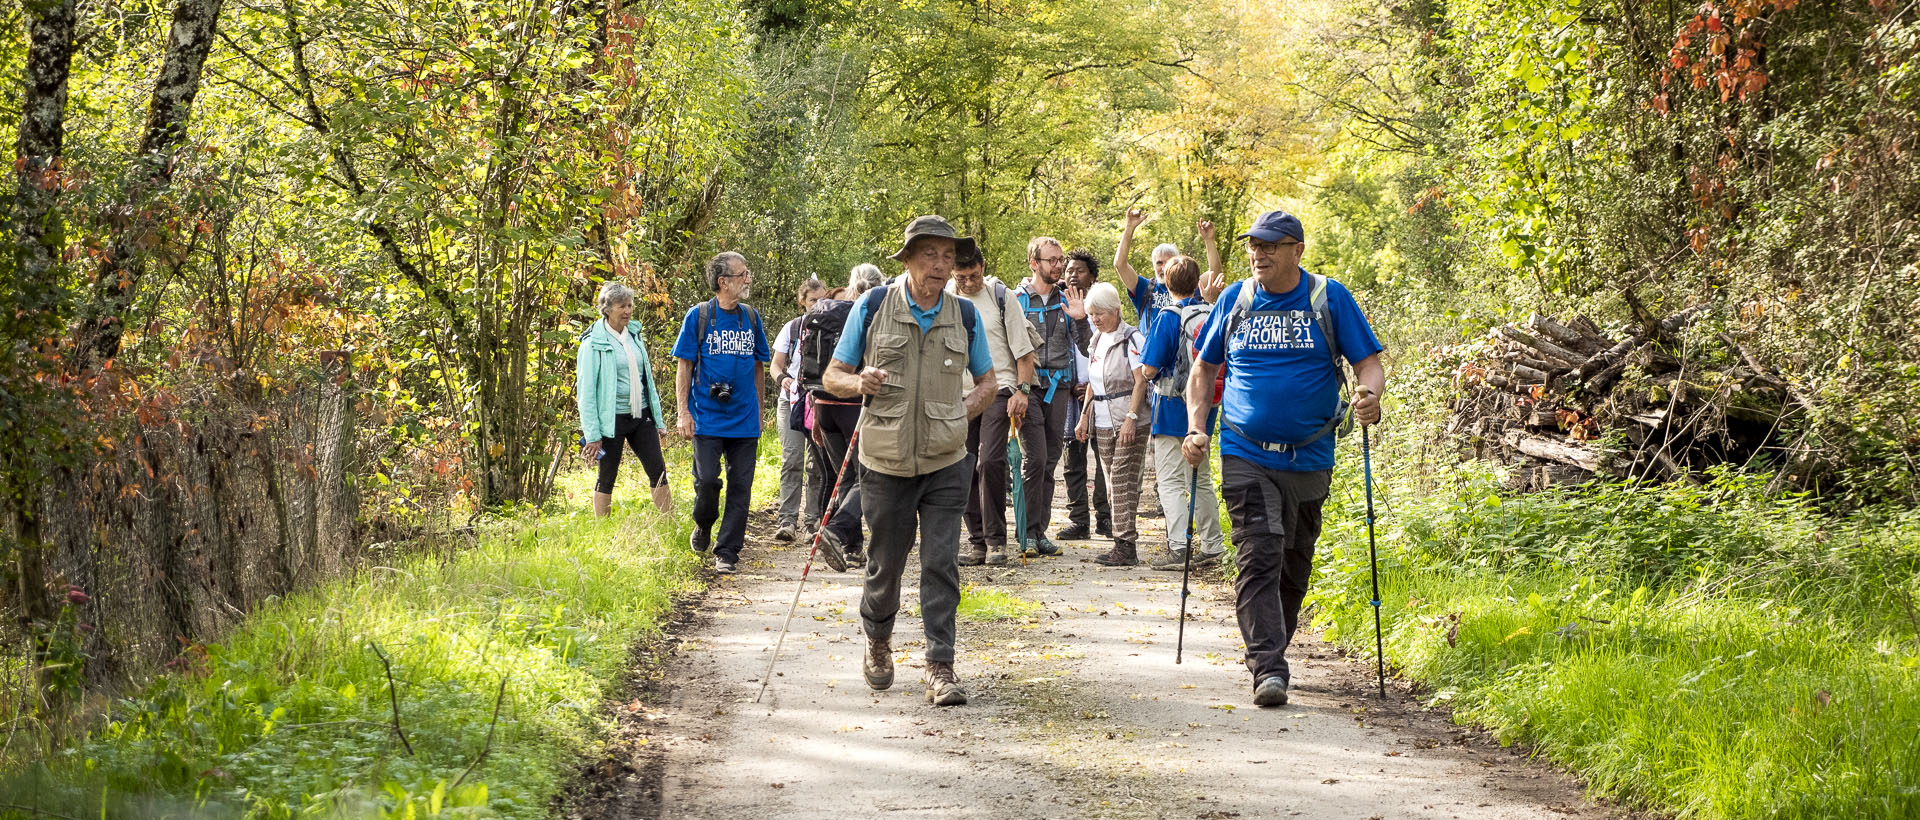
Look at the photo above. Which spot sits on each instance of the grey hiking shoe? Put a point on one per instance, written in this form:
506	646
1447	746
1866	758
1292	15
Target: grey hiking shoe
973	556
832	551
877	666
1270	692
785	534
1171	561
997	556
1043	546
723	566
943	686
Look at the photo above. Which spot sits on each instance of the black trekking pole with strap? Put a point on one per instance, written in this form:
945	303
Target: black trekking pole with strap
826	514
1373	568
1193	492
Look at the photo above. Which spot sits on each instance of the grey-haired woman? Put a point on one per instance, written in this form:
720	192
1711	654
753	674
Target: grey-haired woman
619	402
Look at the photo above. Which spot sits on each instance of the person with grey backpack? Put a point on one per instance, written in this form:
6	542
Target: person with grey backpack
1164	368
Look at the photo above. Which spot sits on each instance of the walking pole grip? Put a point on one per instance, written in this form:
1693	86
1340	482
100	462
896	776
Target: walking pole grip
826	514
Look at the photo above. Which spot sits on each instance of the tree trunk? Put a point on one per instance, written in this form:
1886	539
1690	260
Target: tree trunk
117	280
38	236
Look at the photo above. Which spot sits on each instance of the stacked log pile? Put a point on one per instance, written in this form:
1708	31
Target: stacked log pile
1563	402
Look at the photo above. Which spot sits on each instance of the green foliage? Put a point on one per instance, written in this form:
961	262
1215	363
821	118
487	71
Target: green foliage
1714	651
291	714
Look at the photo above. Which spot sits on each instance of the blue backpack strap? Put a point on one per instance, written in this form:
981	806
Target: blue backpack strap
872	300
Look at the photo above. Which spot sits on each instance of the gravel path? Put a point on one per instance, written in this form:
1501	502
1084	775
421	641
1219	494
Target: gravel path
1076	711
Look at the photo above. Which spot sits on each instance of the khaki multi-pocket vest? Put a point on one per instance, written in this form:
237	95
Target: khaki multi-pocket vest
917	424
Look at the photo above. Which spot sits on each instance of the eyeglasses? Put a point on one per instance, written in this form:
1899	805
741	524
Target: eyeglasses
1269	248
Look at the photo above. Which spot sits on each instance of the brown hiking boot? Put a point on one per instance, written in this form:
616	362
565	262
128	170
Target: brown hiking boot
974	556
878	664
1121	555
943	686
997	555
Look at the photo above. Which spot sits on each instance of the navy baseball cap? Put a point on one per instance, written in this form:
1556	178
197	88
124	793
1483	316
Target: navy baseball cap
1273	225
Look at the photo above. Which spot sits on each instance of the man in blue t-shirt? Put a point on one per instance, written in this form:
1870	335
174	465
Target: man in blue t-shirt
1170	345
1149	296
721	348
1278	416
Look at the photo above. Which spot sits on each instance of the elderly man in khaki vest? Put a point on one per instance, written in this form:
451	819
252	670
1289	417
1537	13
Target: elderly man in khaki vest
905	348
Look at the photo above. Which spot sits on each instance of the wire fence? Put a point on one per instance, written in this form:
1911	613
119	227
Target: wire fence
174	532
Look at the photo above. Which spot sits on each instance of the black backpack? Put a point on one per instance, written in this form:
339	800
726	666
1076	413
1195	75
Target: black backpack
819	334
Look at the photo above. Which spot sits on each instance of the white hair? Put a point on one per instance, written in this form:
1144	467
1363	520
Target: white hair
1165	250
1103	296
865	276
613	293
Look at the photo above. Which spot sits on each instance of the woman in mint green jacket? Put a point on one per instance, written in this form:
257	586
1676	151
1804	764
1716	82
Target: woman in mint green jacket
619	402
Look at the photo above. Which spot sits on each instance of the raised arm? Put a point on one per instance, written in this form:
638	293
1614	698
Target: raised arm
1215	279
1121	267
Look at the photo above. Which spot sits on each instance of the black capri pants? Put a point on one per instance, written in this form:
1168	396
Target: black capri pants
644	438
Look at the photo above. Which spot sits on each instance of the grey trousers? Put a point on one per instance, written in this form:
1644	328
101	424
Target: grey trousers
935	502
1172	475
1276	522
794	475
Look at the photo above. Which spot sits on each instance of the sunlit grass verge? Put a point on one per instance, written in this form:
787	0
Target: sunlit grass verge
1709	657
989	604
292	715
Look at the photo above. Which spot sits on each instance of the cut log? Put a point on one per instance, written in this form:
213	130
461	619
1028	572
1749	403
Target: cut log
1548	449
1584	343
1565	357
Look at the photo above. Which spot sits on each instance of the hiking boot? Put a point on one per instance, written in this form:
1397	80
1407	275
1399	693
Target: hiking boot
856	559
1104	529
1077	532
1172	561
974	556
785	534
1043	546
1121	555
1207	559
724	566
997	555
877	666
1270	692
832	551
943	687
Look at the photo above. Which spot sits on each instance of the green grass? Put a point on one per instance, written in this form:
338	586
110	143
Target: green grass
291	714
988	604
1710	652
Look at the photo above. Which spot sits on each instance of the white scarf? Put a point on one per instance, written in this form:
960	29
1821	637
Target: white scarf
636	401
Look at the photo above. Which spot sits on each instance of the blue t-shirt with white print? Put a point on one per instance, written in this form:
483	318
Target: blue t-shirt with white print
1281	382
732	352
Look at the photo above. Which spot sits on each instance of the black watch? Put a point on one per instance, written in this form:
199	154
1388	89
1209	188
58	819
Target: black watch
1024	388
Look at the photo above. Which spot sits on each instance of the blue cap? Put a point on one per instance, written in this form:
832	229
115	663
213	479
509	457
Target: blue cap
1273	225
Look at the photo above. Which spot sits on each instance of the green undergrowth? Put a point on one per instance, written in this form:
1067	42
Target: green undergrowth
292	714
1713	652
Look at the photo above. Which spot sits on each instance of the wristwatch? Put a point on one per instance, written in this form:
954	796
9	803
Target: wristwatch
1132	416
1024	387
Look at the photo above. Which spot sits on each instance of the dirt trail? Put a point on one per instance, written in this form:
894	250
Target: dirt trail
1077	712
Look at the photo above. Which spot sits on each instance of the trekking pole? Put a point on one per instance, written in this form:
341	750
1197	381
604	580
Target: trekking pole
1193	493
1373	568
826	514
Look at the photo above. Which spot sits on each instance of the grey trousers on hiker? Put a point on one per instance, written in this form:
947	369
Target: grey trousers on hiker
1276	521
795	475
936	502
